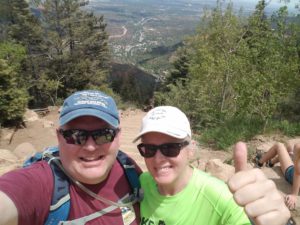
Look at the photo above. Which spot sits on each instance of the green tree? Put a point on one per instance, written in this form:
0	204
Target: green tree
236	67
287	34
272	68
180	66
212	68
78	49
14	96
24	28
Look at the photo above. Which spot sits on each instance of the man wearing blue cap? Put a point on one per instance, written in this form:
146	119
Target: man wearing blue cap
88	142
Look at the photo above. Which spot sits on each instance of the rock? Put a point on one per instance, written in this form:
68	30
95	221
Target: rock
30	116
53	108
5	169
219	169
24	150
265	146
260	138
6	157
6	135
268	144
292	142
199	163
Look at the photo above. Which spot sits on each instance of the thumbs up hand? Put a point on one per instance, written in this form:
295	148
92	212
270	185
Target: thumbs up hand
252	190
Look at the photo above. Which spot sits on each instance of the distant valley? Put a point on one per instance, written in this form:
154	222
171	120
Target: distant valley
145	33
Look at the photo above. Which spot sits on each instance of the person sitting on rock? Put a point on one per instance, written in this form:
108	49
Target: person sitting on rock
289	167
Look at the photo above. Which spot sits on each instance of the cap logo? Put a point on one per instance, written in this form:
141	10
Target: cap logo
91	98
103	104
158	114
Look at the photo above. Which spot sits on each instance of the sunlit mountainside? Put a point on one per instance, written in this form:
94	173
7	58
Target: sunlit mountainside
146	32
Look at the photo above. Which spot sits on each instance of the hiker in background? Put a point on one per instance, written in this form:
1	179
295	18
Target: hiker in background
88	141
177	193
290	166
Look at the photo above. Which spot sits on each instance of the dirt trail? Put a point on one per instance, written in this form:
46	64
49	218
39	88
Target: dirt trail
130	125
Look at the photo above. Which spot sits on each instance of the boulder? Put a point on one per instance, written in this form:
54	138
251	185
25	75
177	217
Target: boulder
24	150
291	142
6	135
219	169
7	157
5	169
30	116
199	163
265	146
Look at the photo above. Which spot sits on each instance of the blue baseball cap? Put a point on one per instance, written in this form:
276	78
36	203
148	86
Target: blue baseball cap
90	103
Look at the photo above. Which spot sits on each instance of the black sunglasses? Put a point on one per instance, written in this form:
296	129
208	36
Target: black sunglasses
167	149
79	137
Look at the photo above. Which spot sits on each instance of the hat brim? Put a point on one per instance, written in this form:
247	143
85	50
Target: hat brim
171	132
113	121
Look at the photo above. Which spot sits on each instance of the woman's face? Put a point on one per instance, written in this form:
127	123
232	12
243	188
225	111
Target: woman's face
170	173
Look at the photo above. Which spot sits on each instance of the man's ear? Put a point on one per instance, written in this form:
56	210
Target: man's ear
120	131
119	136
57	132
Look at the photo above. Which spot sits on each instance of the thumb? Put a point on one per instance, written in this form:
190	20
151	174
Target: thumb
240	156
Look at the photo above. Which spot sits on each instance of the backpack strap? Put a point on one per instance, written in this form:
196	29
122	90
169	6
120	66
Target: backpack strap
60	202
131	174
133	178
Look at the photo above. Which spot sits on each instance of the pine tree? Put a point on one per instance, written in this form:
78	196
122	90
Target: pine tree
14	96
273	64
78	47
24	28
236	68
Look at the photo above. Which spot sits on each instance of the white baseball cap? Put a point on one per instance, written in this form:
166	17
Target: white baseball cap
168	120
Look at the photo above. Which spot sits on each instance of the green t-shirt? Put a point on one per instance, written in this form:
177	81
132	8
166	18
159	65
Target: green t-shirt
204	201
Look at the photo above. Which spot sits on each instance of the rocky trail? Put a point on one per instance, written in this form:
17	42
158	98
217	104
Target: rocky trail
16	145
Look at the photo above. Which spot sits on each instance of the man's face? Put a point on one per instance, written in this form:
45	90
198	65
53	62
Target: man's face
89	163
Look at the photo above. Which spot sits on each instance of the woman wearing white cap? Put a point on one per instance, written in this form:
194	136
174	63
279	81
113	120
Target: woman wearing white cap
177	193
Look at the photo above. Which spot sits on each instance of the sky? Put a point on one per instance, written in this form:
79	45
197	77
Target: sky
247	5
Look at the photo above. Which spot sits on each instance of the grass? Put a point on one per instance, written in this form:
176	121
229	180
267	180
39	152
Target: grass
286	127
225	135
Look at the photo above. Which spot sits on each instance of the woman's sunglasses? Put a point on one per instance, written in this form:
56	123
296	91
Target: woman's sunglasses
168	149
79	137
